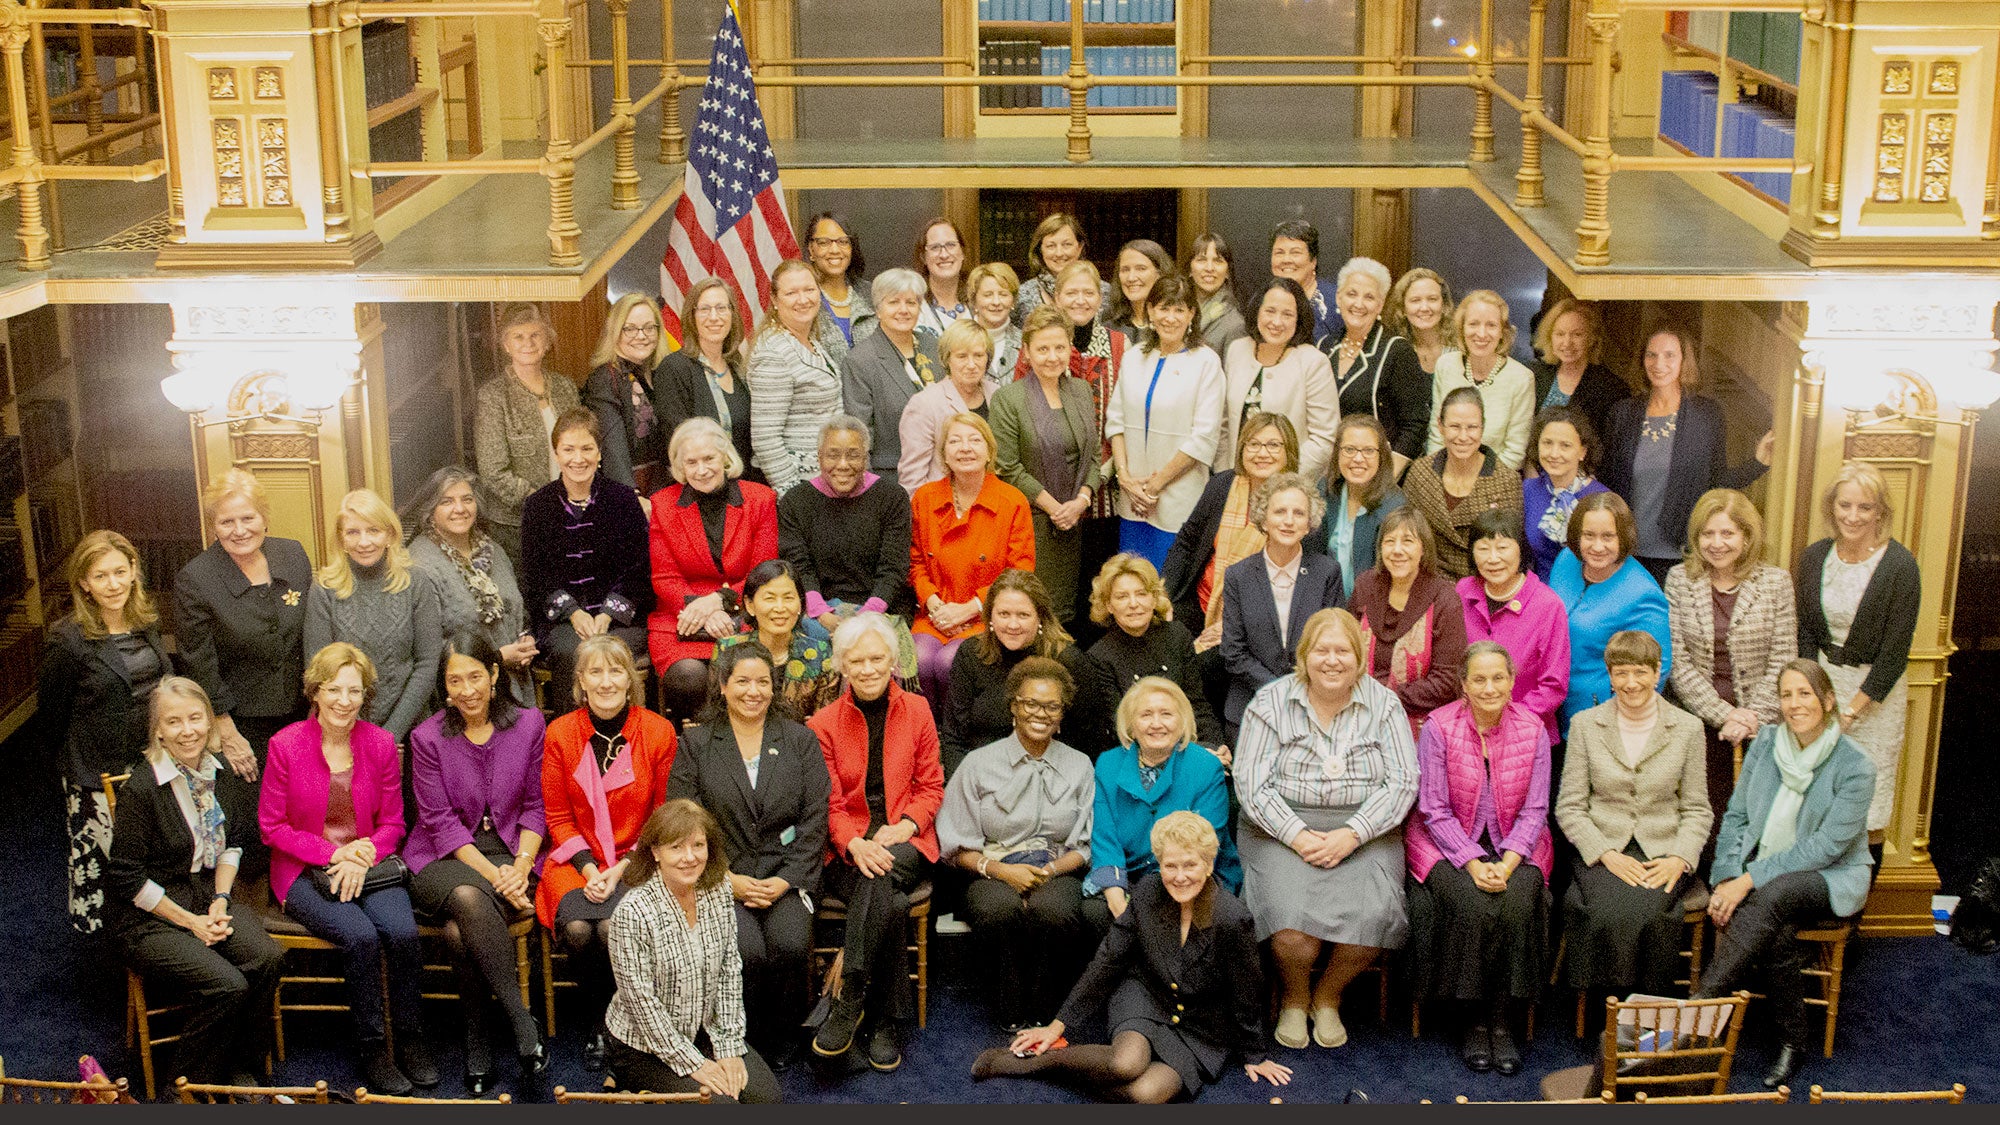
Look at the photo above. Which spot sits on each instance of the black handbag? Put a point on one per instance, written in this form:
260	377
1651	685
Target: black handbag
391	872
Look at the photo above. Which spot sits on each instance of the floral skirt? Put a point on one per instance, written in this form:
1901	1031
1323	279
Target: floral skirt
89	818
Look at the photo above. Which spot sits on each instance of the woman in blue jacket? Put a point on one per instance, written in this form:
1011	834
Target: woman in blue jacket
1793	851
1606	590
1156	768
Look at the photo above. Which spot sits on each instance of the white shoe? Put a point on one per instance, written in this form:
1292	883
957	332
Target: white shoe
1328	1031
1291	1030
946	924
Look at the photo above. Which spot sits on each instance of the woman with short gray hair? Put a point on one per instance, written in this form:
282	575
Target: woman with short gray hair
889	366
1377	371
847	534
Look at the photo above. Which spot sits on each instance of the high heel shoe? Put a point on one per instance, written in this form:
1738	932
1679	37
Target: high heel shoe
478	1066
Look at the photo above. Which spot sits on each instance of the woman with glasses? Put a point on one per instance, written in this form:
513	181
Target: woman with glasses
837	263
704	379
940	259
620	390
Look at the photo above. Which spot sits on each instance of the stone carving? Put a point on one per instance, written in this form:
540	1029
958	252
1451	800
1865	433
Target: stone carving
269	83
297	320
222	83
1845	318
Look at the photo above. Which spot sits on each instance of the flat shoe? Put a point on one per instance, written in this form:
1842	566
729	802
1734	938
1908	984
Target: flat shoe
1477	1050
1506	1053
1291	1031
1328	1031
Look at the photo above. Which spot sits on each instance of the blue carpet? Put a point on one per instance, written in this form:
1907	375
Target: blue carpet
1903	1022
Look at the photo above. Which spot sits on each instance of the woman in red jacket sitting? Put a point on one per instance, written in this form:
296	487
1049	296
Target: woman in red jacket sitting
708	530
881	749
604	771
1479	854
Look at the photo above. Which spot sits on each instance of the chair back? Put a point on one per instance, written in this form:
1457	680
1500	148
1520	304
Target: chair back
363	1097
1953	1096
1603	1099
1690	1043
1764	1097
32	1091
643	1097
204	1093
111	782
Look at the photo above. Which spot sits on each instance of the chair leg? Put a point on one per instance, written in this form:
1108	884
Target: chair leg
923	970
1416	1017
522	971
1582	1012
278	1020
135	1009
548	982
1382	992
1694	954
1836	954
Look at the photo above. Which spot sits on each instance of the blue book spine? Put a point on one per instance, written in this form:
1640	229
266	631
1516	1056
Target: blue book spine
1169	6
985	10
1093	11
1173	93
1670	95
1704	125
1119	64
1121	11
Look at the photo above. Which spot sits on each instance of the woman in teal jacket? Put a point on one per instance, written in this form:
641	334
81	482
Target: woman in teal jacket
1793	851
1155	769
1606	591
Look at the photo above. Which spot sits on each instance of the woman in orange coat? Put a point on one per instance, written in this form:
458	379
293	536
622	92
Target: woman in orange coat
603	773
964	530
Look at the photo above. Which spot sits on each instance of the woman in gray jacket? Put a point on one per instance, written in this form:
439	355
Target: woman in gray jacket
512	417
474	580
890	365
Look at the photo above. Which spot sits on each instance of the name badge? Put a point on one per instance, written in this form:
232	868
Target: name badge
786	837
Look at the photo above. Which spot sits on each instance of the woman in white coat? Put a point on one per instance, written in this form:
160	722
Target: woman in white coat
1163	419
1479	338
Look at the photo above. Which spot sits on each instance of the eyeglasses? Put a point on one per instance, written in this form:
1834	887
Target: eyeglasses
711	310
1359	451
1265	447
641	329
832	243
940	247
1038	707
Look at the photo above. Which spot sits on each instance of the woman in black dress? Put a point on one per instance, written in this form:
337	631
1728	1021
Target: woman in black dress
705	377
1180	975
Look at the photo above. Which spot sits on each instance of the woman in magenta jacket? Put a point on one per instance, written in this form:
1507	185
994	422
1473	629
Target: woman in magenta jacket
1505	602
1479	854
331	810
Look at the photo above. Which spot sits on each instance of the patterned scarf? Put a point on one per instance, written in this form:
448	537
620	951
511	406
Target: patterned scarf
477	572
209	837
1562	501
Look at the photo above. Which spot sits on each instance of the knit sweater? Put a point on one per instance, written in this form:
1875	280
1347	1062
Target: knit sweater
848	548
399	632
1165	649
458	609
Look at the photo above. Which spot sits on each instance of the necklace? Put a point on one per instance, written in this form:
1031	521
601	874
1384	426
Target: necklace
1350	350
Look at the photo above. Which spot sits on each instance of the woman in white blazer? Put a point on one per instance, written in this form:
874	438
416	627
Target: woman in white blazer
1479	339
1163	419
1277	369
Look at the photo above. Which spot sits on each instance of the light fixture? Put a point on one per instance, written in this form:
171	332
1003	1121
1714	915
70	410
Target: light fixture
1922	385
317	387
193	391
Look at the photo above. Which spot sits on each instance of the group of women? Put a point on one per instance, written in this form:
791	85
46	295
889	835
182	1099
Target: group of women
1375	603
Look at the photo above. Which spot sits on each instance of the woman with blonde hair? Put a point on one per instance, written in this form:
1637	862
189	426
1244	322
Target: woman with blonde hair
621	391
240	617
1481	336
514	412
1418	306
1734	624
368	595
101	663
992	289
1157	768
1047	440
794	377
1858	595
968	386
1142	640
1569	339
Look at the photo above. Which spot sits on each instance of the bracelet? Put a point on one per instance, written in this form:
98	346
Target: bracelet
224	896
982	867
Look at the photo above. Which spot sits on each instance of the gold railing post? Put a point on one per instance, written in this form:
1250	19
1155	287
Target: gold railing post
624	173
332	153
1079	89
93	94
44	115
32	232
673	142
1482	96
1593	233
557	163
1528	181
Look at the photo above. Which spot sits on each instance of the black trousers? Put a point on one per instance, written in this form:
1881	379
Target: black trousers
639	1070
1035	945
1764	933
876	958
226	986
559	655
775	943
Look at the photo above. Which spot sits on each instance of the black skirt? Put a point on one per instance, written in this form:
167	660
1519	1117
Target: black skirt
1469	944
1620	937
431	888
1197	1060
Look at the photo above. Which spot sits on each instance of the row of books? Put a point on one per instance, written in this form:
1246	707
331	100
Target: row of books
1753	129
1094	11
1030	56
1768	41
387	73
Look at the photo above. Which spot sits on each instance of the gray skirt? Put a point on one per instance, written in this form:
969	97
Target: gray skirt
1359	901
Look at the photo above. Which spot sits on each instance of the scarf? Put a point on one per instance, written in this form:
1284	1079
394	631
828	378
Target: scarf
1562	501
1236	539
209	838
477	572
1796	768
643	419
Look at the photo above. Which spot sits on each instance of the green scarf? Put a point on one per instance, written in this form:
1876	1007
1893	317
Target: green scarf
1796	769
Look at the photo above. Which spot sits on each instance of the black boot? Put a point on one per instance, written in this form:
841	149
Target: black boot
1506	1053
836	1035
594	1049
478	1058
380	1072
413	1054
1785	1066
1477	1050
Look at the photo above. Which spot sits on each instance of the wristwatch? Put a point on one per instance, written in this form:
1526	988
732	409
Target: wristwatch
224	896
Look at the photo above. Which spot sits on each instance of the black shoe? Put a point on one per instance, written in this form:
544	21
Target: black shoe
783	1055
478	1064
593	1051
836	1035
1478	1049
381	1075
535	1064
413	1054
1784	1066
883	1054
1506	1054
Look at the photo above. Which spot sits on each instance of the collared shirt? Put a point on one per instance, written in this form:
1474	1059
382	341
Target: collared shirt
1283	578
168	774
1002	801
675	980
1286	760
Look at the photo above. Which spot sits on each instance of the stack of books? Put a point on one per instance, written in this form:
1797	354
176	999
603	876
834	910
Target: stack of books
1094	11
1687	109
1010	57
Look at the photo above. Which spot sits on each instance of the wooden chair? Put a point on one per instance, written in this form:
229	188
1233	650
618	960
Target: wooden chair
363	1097
1701	1054
520	928
31	1091
643	1097
139	1012
1953	1096
293	937
1463	1100
1762	1097
833	913
201	1093
1694	919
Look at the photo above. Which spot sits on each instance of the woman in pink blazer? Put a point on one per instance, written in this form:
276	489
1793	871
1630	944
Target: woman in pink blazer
331	810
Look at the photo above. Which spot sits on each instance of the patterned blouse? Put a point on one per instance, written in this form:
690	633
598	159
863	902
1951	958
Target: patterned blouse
809	679
674	980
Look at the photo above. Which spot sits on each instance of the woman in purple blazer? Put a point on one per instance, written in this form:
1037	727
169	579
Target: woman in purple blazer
476	767
331	810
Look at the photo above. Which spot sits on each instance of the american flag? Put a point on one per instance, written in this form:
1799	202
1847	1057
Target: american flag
730	222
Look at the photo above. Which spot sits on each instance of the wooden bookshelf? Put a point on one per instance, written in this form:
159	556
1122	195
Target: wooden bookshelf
1094	34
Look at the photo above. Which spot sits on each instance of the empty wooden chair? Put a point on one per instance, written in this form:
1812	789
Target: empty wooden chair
1682	1045
363	1097
1953	1096
202	1093
1601	1100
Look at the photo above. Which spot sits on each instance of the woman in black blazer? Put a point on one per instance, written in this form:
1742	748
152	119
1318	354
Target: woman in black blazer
1569	341
100	667
184	824
704	379
1257	645
622	393
1858	597
1180	975
240	619
1664	449
763	777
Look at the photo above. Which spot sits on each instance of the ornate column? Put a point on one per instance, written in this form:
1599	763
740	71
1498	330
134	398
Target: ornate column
264	113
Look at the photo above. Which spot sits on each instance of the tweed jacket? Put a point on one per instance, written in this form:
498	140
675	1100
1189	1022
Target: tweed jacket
794	390
1763	635
511	443
1423	489
676	981
1604	804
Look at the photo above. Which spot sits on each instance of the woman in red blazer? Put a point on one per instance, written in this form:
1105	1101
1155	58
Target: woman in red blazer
708	531
604	771
880	844
331	808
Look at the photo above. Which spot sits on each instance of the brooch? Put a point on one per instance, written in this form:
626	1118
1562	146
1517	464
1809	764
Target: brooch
291	597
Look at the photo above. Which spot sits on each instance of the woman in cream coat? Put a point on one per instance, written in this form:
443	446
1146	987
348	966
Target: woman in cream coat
1634	801
1162	419
1276	369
